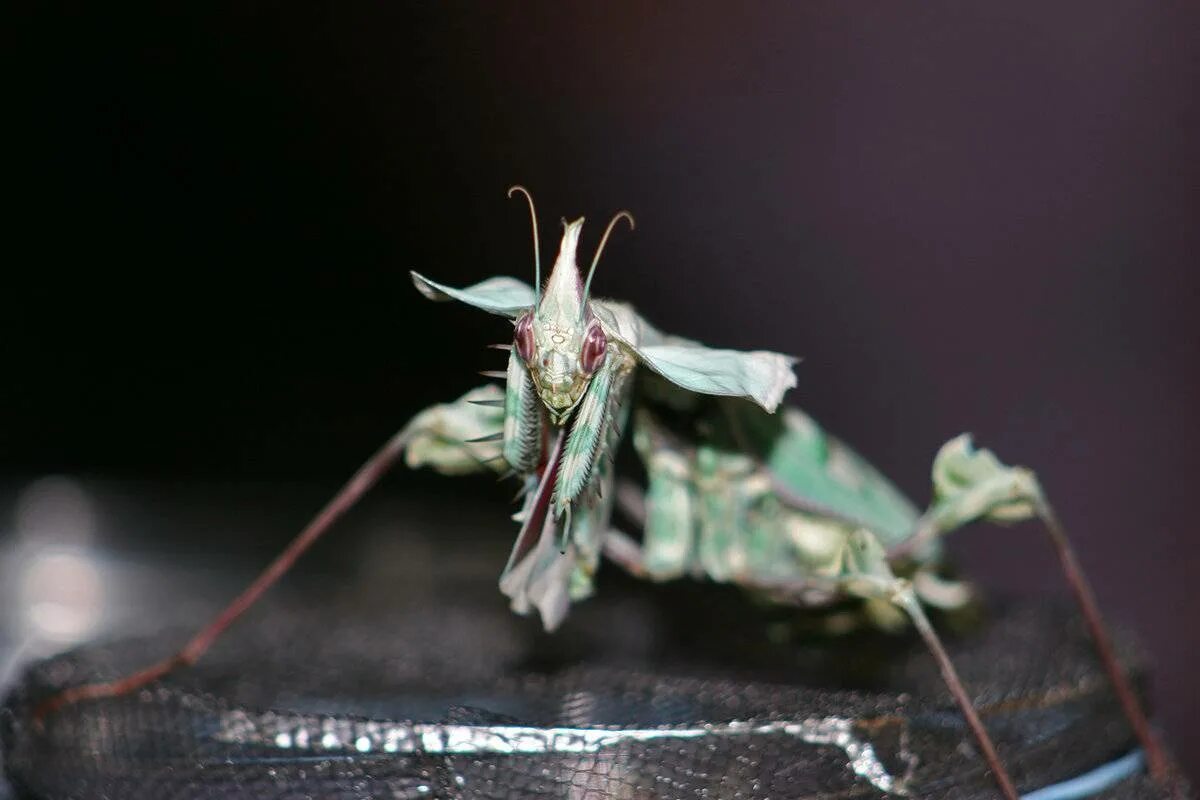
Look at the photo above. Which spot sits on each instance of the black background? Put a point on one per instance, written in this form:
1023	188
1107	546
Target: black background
965	216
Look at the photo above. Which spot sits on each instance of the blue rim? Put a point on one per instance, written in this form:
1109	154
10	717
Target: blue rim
1092	782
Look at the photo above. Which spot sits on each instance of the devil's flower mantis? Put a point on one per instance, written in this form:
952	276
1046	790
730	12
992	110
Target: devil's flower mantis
739	490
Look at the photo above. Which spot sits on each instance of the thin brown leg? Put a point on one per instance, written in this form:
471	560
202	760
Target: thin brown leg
627	553
1156	756
955	685
366	477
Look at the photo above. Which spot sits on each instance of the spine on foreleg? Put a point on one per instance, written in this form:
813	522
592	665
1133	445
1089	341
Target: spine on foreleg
590	522
522	418
455	438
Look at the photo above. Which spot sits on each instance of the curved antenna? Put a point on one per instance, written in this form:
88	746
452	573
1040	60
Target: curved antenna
537	257
587	286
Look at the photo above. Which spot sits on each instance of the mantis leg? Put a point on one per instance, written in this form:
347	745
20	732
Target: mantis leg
864	572
868	575
622	550
971	485
439	437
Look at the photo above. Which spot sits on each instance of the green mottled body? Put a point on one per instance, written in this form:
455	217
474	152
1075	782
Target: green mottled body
736	491
737	495
728	466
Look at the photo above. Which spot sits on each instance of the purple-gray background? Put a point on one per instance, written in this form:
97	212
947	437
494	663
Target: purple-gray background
966	216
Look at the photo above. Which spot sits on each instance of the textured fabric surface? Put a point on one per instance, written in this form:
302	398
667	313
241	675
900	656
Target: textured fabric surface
648	692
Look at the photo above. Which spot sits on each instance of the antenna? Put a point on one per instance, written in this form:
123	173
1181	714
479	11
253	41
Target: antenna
587	286
537	257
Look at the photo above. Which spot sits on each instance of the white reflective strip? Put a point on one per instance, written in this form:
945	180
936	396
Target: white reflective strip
365	737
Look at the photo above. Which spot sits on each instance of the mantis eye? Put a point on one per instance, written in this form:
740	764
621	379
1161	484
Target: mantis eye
595	345
523	337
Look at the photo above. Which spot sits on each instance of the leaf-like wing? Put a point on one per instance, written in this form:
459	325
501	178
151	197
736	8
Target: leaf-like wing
758	375
507	297
818	468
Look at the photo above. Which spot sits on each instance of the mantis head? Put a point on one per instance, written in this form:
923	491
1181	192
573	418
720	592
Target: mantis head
560	339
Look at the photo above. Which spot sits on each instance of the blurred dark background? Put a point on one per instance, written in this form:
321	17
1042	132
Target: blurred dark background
964	216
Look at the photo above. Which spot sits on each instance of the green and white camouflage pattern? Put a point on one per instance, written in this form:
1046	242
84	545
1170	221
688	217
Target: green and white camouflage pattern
737	490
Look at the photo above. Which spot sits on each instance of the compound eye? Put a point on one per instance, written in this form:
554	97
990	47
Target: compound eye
595	345
523	337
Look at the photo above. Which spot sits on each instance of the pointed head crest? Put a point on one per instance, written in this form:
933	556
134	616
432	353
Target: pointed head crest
562	295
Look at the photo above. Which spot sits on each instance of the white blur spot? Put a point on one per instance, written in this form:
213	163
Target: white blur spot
53	590
61	594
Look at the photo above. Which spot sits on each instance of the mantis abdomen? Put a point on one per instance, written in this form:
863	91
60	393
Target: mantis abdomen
758	502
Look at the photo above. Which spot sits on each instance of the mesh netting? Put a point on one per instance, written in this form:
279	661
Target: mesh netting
649	692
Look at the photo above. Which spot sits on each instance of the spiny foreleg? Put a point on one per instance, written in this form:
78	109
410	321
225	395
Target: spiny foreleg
586	438
566	516
524	421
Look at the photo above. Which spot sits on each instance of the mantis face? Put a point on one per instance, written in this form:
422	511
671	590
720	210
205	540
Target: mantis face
560	340
562	356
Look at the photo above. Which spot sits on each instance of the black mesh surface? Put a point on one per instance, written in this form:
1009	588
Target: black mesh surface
649	692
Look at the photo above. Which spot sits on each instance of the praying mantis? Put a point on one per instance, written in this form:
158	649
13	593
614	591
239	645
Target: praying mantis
738	489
